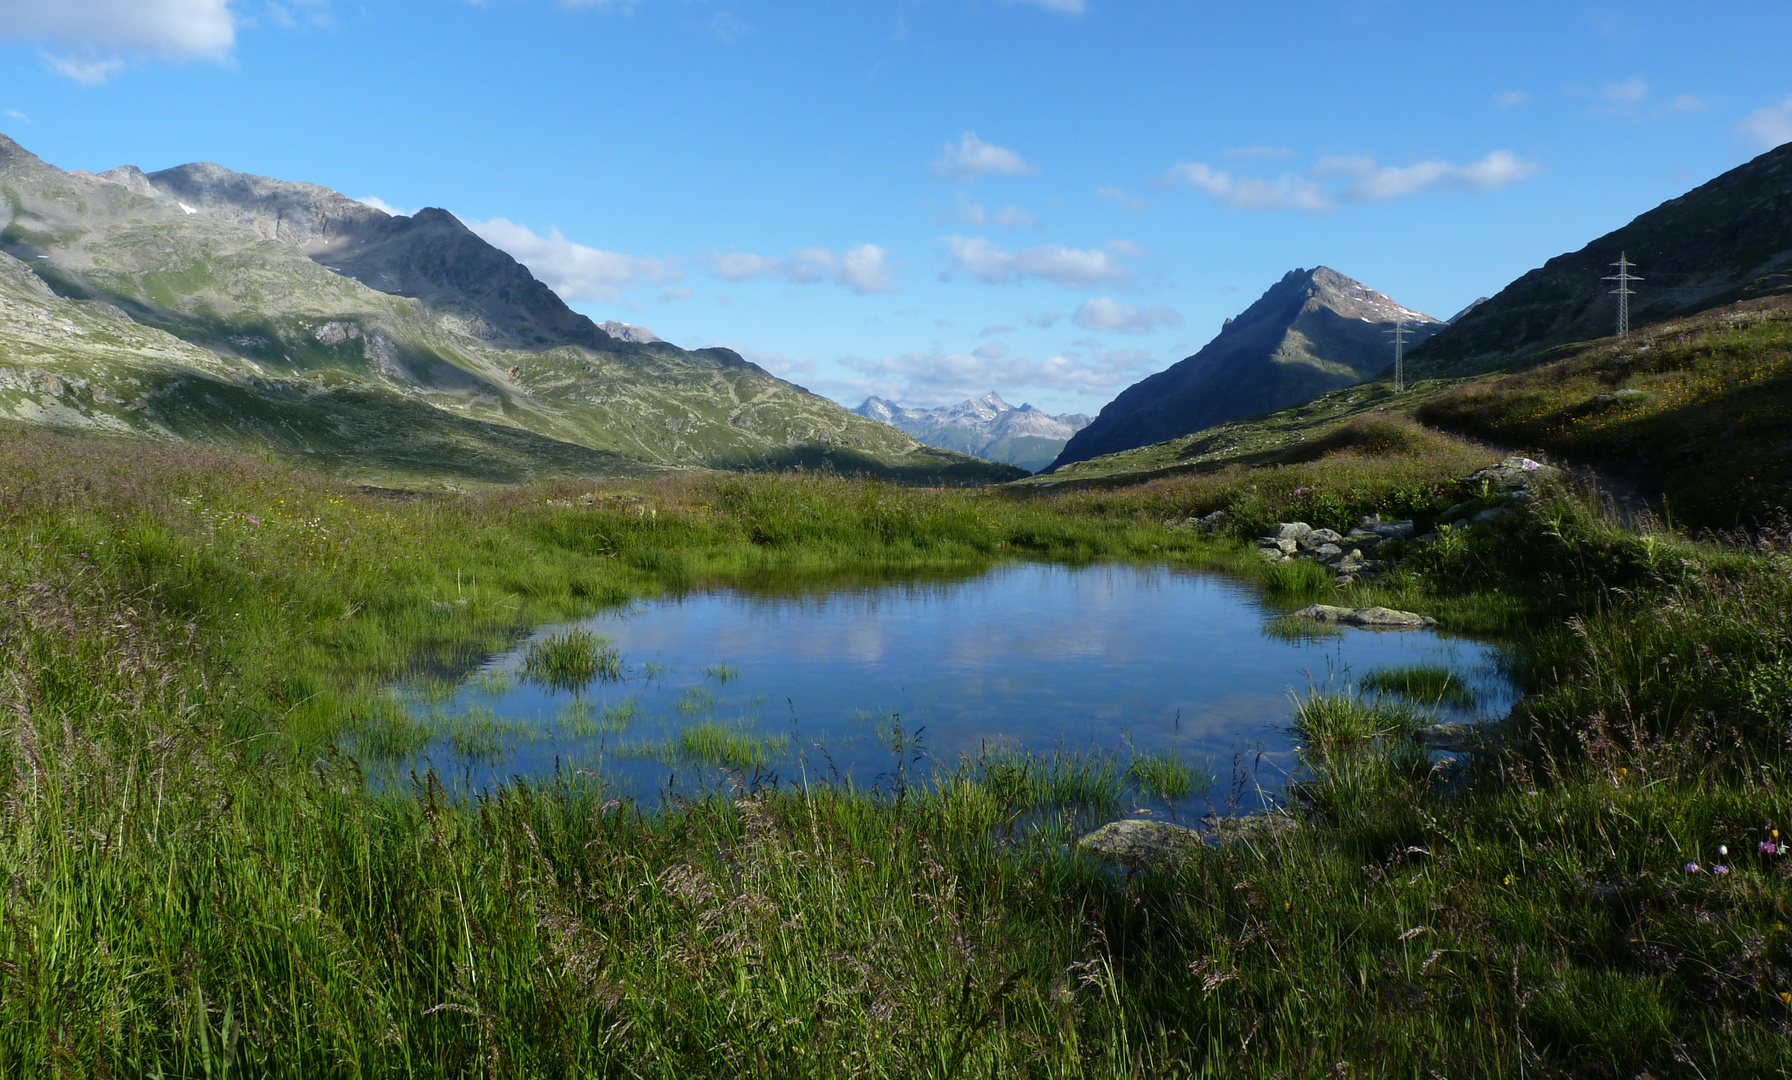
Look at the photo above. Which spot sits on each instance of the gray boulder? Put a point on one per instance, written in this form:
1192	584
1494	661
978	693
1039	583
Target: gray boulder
1387	530
1514	473
1374	618
1135	842
1293	530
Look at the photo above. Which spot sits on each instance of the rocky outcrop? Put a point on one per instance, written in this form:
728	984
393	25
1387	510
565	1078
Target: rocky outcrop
1349	555
1135	843
1372	618
1314	331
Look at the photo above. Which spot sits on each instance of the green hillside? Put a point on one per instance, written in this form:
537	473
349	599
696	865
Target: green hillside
181	325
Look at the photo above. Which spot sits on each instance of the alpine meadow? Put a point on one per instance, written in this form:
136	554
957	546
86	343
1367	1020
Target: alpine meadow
411	665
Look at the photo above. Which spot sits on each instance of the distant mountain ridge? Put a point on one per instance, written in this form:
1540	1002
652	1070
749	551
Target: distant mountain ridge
985	427
1312	332
1726	240
199	304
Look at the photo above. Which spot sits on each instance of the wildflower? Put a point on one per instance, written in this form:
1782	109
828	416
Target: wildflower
1722	850
1623	772
1785	998
1508	879
1721	871
1692	867
1768	847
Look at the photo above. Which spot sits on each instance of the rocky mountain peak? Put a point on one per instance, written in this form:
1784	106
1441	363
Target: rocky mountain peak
1311	332
622	331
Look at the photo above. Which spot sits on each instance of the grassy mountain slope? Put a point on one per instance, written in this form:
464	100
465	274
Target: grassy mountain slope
1697	410
1724	241
318	363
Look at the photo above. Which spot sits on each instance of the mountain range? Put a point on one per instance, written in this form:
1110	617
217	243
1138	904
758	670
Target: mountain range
985	427
206	305
1312	332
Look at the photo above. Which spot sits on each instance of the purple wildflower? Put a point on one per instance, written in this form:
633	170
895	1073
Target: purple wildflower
1692	867
1768	847
1721	871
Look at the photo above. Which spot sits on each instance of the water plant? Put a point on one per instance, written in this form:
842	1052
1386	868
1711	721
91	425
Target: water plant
1162	775
1425	684
571	660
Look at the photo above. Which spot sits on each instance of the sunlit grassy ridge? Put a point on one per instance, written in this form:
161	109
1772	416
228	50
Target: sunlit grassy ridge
1698	409
194	649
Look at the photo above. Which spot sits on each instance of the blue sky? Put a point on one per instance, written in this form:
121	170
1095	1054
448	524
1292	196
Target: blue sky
929	199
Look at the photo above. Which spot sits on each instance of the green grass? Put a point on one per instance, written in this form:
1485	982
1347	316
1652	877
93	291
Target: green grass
572	660
196	652
1163	775
1695	409
1422	684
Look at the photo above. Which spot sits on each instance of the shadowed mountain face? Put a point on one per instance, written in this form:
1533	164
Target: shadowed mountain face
1312	332
986	427
1727	240
204	305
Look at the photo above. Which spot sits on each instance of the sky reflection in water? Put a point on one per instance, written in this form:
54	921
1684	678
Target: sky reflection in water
1105	658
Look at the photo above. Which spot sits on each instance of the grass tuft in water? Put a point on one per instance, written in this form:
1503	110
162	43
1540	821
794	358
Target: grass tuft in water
1424	684
722	673
1162	775
710	743
572	661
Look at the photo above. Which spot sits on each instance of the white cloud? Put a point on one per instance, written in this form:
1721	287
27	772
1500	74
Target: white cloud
999	328
1070	267
1063	7
863	269
1382	182
17	115
1106	313
85	70
1511	99
777	363
939	377
994	350
1259	151
1769	127
972	157
1337	179
1688	103
606	6
1008	217
574	271
675	293
382	205
1631	91
1289	192
1045	320
727	28
100	36
1120	197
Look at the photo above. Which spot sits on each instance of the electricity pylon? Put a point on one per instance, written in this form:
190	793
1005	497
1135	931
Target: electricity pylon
1398	333
1623	292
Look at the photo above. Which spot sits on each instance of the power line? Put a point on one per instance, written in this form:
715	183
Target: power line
1398	333
1623	292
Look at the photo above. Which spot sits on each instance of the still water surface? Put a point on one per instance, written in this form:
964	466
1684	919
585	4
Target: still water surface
857	681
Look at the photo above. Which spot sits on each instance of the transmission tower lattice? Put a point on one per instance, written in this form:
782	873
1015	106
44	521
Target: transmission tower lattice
1398	333
1623	292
